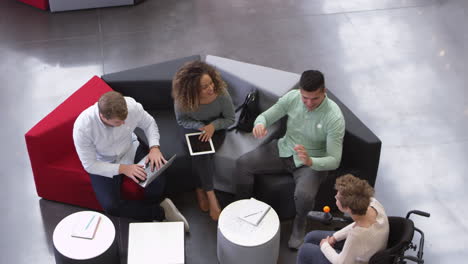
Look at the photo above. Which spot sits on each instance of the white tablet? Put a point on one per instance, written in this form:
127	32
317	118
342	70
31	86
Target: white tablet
197	147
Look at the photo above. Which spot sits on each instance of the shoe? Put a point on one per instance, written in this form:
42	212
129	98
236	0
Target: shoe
173	214
298	233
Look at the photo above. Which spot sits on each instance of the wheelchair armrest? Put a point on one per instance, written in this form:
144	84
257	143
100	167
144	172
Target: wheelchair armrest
327	218
413	258
324	218
418	212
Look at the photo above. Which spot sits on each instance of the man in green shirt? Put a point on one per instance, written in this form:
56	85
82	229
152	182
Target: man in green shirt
311	146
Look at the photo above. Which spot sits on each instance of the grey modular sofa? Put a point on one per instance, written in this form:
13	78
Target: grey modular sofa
151	86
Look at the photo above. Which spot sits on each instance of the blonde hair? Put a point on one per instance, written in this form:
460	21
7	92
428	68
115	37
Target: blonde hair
355	193
186	84
113	105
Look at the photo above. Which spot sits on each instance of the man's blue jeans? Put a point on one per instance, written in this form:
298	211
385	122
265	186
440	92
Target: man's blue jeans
108	194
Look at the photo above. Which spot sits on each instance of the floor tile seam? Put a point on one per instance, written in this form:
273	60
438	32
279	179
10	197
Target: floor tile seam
103	35
120	238
459	141
375	10
52	40
22	6
356	29
336	13
149	30
273	19
440	198
101	40
430	145
126	33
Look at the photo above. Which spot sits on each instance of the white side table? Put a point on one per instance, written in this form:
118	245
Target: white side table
101	249
242	242
161	243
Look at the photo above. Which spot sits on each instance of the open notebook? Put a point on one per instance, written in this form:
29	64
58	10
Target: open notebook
254	211
86	225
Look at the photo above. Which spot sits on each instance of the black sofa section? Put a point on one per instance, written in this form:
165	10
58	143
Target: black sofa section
151	86
361	155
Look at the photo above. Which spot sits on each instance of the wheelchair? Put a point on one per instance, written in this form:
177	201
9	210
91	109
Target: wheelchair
399	239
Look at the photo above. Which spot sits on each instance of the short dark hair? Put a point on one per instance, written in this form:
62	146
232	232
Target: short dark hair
312	80
113	105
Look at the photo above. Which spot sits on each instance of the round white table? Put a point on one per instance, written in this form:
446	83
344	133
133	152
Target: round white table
101	249
242	242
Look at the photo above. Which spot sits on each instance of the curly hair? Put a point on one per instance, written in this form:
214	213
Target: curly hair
186	84
113	105
355	193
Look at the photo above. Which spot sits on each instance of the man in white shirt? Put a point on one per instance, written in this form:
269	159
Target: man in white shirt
109	150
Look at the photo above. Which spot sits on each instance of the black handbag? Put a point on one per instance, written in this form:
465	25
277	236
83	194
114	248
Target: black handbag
249	112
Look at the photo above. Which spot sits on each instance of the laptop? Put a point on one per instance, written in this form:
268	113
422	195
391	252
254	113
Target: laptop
152	175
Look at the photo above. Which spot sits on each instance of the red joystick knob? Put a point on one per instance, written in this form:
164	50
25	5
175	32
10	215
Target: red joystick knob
326	209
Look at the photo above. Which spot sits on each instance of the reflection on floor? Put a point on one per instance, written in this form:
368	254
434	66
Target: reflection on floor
400	65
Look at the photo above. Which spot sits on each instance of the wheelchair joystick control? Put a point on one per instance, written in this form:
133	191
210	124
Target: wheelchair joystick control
324	217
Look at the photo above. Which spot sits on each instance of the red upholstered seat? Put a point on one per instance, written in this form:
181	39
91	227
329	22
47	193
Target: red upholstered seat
42	4
131	190
57	170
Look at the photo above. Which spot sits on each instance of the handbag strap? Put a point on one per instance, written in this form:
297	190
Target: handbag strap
249	98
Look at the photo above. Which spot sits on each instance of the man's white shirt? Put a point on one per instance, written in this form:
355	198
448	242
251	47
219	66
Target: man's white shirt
102	148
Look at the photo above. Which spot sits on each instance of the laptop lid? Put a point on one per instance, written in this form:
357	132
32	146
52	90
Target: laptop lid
152	175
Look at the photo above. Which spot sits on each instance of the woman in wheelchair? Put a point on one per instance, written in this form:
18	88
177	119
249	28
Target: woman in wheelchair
357	242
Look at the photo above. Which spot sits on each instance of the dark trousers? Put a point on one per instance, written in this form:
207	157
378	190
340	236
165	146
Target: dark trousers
108	193
266	160
310	252
203	165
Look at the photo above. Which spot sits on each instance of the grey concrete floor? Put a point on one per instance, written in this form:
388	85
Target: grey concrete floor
399	65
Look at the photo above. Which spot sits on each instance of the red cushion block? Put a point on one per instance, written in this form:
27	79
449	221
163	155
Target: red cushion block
58	173
42	4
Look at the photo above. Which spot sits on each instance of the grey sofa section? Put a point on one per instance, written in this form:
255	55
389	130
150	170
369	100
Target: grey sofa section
361	147
66	5
241	78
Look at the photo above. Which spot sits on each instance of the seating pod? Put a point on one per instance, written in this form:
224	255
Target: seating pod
41	4
59	175
58	172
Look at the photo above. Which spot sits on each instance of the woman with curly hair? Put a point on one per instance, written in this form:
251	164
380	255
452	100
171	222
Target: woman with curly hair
357	242
202	103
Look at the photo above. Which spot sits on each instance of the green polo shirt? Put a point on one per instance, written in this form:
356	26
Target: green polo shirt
320	131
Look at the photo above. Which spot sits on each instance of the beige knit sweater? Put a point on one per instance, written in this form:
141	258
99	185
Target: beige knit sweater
361	242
